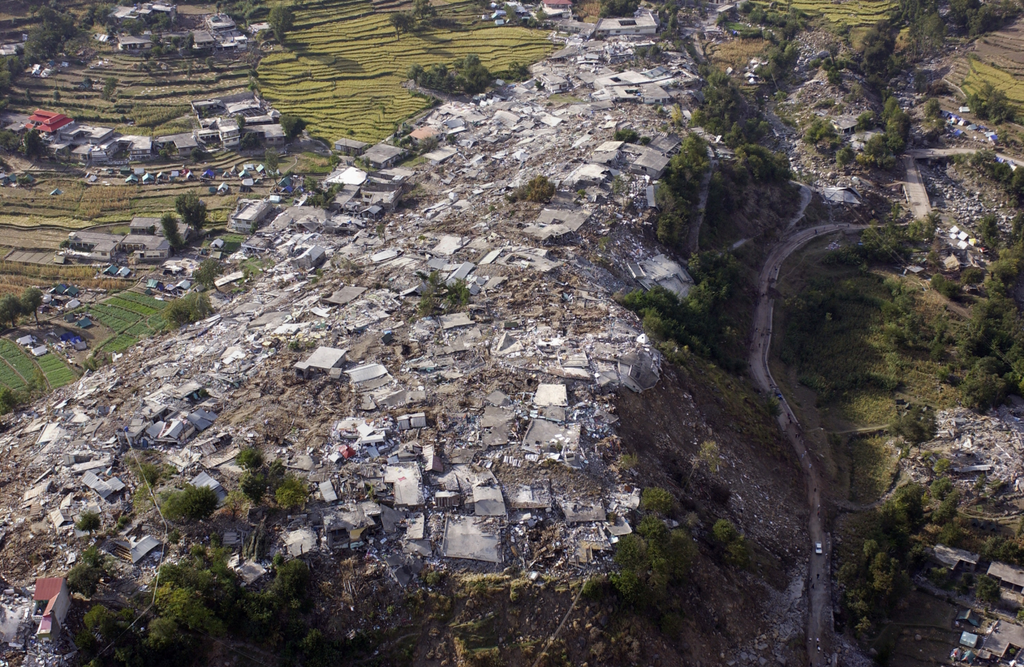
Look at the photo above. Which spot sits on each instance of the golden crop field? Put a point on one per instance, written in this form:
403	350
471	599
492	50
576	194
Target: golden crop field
855	13
981	73
344	66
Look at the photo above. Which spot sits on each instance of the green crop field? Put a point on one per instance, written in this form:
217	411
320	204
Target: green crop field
981	73
9	378
56	371
344	67
129	313
16	357
119	343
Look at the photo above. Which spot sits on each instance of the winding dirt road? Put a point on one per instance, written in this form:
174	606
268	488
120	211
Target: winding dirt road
819	617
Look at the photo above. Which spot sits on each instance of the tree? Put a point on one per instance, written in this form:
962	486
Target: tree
281	20
270	160
192	210
987	589
254	485
109	86
88	522
207	273
291	493
169	226
192	502
423	10
401	22
33	144
10	309
31	299
292	125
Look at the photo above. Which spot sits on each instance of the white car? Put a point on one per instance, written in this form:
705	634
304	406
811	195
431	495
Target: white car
817	548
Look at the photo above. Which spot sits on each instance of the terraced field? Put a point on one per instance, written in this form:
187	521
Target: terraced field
980	73
155	101
998	59
344	66
855	13
109	200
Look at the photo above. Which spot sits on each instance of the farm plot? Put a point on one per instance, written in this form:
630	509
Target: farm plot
56	371
16	357
345	66
129	313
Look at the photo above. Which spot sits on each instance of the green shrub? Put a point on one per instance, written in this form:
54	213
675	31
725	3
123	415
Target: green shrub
656	499
192	502
292	492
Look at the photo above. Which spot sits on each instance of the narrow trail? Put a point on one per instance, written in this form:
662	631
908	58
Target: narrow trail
693	240
819	616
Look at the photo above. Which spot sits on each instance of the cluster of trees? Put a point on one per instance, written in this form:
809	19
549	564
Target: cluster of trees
1010	180
422	16
281	20
47	39
881	149
188	309
698	321
789	23
619	7
926	29
977	18
990	103
201	596
679	191
261	478
467	76
13	306
876	576
988	362
654	562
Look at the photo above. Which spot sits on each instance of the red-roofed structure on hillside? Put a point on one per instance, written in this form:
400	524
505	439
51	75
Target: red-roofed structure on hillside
52	603
47	122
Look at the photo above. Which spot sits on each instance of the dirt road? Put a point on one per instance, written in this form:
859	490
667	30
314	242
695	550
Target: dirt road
819	617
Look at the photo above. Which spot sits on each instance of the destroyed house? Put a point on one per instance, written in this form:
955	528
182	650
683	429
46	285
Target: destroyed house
650	163
52	601
345	525
323	360
134	551
311	258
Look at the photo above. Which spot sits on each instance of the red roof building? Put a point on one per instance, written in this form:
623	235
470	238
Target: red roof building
47	121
